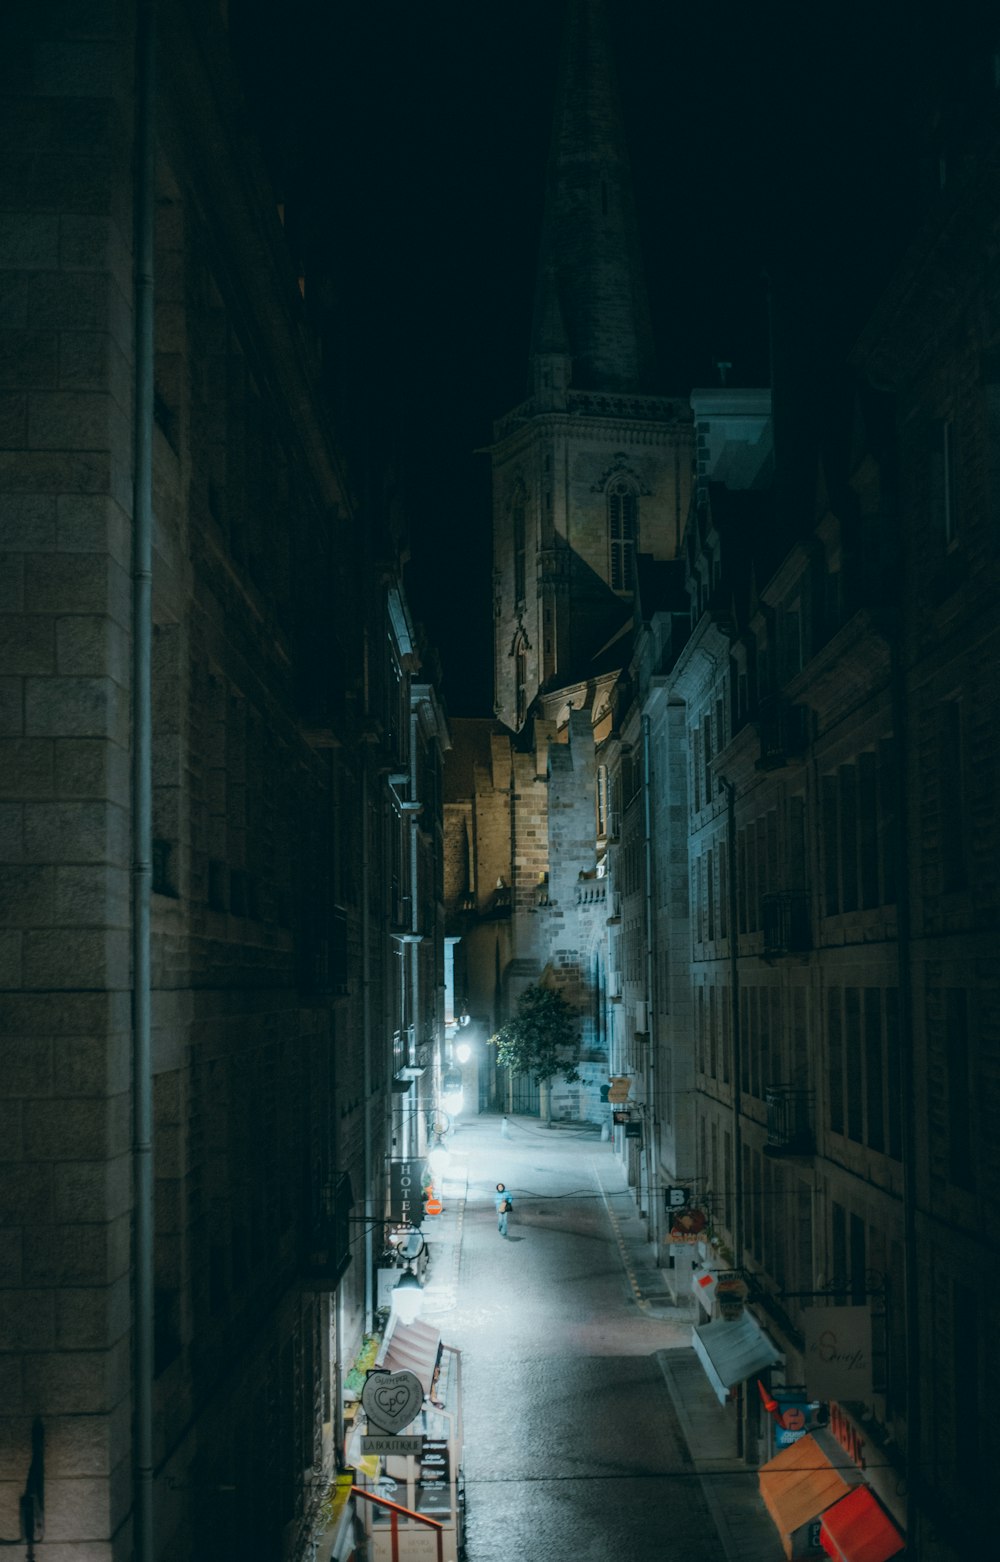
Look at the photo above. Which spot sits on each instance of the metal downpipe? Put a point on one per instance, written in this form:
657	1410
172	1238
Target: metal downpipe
651	1115
142	778
908	1105
413	1146
366	1036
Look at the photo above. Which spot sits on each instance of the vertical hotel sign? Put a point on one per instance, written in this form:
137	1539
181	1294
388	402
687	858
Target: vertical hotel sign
406	1205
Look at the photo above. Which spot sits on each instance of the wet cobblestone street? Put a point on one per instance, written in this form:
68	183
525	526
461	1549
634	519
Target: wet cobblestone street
573	1450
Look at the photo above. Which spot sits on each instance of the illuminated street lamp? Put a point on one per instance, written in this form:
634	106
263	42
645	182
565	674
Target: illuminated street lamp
463	1052
407	1298
451	1091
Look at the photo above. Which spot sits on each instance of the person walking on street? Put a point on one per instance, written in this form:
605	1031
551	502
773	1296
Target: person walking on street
504	1204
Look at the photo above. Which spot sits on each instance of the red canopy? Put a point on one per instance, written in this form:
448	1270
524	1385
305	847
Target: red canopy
856	1529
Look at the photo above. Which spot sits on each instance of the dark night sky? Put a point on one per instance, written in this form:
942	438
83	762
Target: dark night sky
413	141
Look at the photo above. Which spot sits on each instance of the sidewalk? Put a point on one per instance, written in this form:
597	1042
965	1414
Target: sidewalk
746	1533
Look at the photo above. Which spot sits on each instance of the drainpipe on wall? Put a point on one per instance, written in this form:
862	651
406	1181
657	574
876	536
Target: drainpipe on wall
737	1068
366	1036
911	1252
142	775
412	1117
734	1021
652	1142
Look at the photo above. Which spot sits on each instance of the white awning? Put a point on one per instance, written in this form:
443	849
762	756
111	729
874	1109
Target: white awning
731	1352
413	1347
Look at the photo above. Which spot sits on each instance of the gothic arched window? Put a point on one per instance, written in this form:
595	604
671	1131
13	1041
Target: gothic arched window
521	682
623	533
520	545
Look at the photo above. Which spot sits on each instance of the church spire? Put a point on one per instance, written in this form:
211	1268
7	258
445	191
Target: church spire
590	248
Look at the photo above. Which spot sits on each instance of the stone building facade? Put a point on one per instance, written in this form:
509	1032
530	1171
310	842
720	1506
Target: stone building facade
834	719
296	807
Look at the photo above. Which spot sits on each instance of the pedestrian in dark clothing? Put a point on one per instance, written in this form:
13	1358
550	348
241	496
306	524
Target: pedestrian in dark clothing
504	1204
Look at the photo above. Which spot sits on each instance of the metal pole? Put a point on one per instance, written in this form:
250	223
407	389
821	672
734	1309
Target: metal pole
142	775
413	1117
737	1069
734	1022
652	1143
908	1104
366	1037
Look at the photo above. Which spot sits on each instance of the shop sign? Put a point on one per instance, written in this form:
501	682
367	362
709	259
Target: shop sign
688	1225
619	1088
730	1293
794	1416
391	1400
633	1129
619	1117
380	1443
676	1198
838	1352
406	1205
847	1435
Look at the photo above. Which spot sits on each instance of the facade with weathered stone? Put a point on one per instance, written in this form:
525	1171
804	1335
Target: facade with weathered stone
295	831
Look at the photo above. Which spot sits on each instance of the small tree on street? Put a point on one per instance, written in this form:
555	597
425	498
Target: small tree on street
542	1038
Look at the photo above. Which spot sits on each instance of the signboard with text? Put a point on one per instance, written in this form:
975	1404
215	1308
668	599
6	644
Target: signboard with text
382	1443
405	1191
687	1225
838	1352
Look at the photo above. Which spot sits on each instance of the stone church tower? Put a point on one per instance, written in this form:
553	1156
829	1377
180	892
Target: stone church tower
594	466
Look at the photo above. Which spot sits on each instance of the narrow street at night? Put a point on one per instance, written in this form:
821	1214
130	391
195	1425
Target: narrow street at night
499	584
574	1449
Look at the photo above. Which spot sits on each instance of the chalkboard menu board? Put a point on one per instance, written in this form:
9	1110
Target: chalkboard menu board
434	1480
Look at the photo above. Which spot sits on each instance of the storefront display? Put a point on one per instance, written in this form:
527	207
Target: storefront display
428	1481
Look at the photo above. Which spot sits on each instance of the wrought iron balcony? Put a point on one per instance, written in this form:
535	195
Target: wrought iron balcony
785	923
326	1250
783	734
789	1121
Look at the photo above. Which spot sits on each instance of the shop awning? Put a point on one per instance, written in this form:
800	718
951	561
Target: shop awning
797	1485
413	1347
858	1529
731	1352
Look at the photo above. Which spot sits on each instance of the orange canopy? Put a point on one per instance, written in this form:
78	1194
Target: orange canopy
859	1530
797	1485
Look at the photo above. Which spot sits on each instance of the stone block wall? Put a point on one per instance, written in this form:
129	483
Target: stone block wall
257	1008
65	500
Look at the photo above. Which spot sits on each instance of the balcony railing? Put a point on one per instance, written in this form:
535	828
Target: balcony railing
783	734
785	923
789	1121
327	1248
591	892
